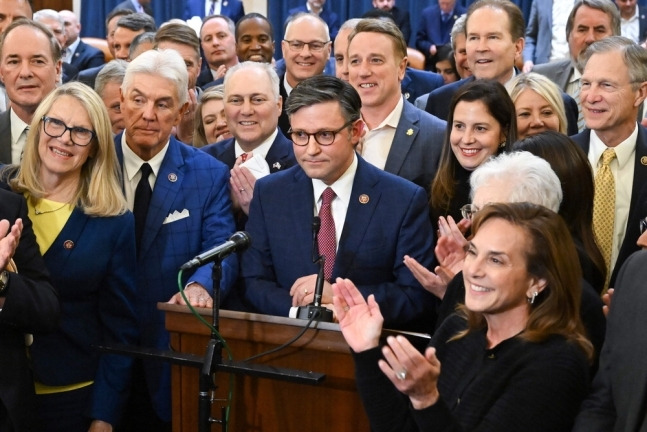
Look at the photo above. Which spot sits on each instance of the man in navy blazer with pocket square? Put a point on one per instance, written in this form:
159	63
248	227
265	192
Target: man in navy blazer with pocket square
189	212
378	217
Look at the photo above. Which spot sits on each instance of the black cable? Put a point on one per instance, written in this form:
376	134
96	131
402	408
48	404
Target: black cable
316	314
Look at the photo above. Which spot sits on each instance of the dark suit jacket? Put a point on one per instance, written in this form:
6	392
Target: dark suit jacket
417	83
440	99
638	206
539	32
416	147
89	76
284	120
401	18
205	79
403	21
232	8
377	233
96	281
193	182
31	306
431	29
5	133
70	73
280	156
129	5
87	56
642	17
618	399
326	14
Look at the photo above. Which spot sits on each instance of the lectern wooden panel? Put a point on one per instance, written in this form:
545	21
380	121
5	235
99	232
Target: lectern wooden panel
263	404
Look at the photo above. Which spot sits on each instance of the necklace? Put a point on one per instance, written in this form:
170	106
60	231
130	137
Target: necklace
40	212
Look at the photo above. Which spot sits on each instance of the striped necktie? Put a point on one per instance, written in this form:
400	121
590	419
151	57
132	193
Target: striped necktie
327	235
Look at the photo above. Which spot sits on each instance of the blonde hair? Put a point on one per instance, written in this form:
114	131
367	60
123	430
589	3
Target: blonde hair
544	88
99	191
199	134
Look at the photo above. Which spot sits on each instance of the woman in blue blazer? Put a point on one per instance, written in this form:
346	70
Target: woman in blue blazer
70	176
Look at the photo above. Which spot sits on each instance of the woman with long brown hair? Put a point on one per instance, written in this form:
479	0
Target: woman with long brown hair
515	359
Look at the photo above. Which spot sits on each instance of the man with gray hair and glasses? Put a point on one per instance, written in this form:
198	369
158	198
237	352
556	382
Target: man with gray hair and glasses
306	49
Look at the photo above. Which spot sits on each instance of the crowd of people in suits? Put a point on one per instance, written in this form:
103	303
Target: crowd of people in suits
499	205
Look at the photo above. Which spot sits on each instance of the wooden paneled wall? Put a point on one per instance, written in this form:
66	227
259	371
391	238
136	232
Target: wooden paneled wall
52	4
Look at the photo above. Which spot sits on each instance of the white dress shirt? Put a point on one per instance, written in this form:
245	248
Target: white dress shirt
377	142
630	28
18	137
339	206
132	173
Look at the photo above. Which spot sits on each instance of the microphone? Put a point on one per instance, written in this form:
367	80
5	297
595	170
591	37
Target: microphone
315	307
239	241
316	225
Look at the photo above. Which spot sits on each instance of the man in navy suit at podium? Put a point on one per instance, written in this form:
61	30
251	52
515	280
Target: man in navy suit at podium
369	219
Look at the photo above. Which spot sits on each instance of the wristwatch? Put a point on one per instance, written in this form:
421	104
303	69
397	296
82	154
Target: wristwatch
4	282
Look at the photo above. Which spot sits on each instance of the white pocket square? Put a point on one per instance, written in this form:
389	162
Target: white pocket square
176	216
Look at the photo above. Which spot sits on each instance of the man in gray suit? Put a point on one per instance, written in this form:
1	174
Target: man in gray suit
401	139
618	398
589	21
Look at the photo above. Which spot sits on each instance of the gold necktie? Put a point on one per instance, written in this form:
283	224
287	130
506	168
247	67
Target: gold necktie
604	206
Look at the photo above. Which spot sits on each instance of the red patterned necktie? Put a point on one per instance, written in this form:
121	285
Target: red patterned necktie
244	156
326	237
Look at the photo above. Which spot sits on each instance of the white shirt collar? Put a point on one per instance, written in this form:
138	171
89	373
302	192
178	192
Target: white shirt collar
261	149
343	187
286	84
72	48
624	151
394	116
132	162
17	126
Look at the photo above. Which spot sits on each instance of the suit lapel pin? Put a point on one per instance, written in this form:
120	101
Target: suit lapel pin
363	199
68	244
643	160
172	177
409	132
277	165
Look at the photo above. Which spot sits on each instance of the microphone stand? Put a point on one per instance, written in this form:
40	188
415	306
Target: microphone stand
323	314
212	357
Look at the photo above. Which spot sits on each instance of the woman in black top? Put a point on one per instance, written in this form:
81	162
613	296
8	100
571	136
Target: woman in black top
514	360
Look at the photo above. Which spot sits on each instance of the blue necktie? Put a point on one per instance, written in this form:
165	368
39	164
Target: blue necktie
212	9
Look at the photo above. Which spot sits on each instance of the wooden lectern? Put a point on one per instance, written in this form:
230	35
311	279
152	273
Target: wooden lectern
259	404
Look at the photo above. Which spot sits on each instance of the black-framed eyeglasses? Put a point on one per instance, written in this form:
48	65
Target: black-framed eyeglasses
56	128
643	225
323	137
469	210
314	46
